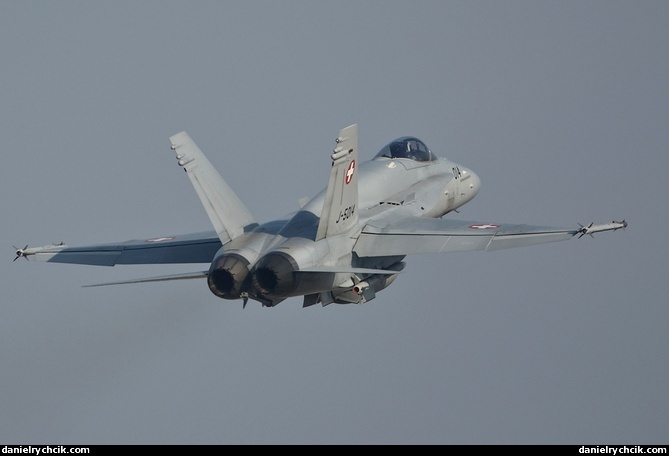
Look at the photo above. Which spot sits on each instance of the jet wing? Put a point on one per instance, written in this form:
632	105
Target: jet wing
415	235
187	248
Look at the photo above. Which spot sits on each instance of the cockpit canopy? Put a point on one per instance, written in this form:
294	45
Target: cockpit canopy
407	147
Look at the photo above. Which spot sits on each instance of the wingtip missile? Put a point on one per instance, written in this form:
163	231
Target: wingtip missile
593	228
20	252
25	252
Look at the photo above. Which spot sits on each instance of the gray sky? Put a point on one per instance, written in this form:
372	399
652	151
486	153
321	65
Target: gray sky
561	108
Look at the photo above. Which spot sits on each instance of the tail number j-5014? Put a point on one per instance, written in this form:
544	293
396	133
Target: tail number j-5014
346	213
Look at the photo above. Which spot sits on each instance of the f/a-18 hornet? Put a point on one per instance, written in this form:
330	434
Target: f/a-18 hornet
343	246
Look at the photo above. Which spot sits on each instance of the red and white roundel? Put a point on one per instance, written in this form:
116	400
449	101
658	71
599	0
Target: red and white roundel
160	239
350	171
486	226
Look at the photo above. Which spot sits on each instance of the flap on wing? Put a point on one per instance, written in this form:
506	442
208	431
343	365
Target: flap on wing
425	235
189	248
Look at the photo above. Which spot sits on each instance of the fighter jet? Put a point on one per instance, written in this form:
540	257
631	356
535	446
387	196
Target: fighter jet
343	246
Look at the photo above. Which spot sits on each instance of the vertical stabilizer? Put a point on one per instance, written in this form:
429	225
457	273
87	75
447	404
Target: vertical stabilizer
225	210
340	211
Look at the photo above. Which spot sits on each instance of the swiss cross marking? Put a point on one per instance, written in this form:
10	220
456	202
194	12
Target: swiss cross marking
160	239
483	227
350	171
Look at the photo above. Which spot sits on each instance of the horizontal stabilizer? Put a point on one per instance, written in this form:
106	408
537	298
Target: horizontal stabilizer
165	278
345	270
